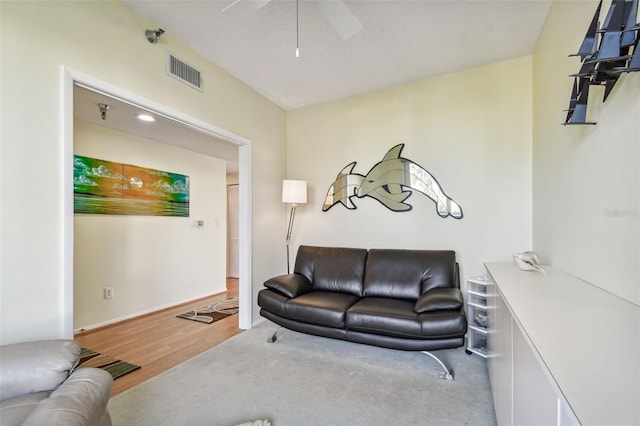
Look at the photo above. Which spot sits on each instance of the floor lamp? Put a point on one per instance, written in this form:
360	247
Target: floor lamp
294	192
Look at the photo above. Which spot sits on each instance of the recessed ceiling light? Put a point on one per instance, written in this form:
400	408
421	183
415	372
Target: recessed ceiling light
145	117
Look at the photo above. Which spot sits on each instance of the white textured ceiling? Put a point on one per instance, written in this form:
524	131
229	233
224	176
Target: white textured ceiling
122	117
391	42
399	41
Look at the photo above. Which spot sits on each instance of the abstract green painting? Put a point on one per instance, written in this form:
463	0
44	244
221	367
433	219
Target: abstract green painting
106	187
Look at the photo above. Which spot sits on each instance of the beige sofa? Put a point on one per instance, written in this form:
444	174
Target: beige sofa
40	385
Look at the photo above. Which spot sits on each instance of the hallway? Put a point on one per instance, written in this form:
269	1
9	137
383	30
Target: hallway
159	341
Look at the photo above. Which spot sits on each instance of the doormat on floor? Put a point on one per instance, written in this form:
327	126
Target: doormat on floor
115	367
213	312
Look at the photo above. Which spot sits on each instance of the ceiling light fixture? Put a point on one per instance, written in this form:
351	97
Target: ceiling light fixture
297	30
104	108
153	35
145	117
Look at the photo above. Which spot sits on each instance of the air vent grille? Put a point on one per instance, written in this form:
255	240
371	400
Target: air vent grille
184	72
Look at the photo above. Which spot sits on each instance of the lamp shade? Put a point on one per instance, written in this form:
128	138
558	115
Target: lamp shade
294	191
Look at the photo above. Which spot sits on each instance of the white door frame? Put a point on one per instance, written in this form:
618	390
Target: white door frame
71	77
233	240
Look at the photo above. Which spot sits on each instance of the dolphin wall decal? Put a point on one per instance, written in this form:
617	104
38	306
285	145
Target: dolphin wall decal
344	188
391	182
395	171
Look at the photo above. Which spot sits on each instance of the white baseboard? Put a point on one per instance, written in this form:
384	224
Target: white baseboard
137	314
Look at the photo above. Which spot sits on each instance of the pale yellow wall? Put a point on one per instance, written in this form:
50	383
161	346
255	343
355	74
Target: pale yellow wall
471	130
586	179
106	41
151	262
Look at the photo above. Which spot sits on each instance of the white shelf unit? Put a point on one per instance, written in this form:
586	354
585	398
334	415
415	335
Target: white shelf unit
477	317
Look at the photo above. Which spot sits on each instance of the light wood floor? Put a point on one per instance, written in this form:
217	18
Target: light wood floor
159	341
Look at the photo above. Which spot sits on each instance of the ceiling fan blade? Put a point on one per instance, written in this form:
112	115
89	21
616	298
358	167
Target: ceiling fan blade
255	5
233	3
341	18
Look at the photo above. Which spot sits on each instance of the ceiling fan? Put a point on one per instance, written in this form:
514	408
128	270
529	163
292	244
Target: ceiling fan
345	23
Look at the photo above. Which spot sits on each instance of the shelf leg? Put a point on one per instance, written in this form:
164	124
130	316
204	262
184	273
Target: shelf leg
448	373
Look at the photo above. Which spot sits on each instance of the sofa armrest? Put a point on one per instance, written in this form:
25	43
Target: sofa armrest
439	299
38	366
81	400
291	285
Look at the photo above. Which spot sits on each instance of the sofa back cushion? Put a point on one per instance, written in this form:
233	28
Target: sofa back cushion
36	366
332	268
407	274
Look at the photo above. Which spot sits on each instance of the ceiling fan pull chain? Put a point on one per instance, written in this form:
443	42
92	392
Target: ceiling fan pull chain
297	30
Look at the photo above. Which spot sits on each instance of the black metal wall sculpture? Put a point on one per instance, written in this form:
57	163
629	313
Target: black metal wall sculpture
605	53
391	182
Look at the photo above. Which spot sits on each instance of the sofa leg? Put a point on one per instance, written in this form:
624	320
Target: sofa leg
274	336
448	373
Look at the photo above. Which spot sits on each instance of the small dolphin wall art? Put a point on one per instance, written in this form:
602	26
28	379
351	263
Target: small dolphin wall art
391	182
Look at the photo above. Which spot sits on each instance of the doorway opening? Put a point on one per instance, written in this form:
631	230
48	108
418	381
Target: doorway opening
72	78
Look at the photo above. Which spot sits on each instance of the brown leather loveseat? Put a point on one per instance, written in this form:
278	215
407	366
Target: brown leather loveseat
398	299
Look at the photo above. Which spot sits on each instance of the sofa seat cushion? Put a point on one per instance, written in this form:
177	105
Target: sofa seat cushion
320	307
396	318
379	315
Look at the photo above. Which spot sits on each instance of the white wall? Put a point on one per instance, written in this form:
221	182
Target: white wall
586	179
106	41
471	130
150	261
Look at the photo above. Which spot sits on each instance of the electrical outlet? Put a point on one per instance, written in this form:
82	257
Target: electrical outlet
108	293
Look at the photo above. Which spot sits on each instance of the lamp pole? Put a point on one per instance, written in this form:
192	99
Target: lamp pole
293	192
292	216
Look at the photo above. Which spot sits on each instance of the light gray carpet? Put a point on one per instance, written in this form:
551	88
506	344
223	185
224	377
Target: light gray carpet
308	380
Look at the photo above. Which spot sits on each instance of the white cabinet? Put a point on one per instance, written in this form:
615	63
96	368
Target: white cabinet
541	369
500	351
477	317
523	391
535	401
